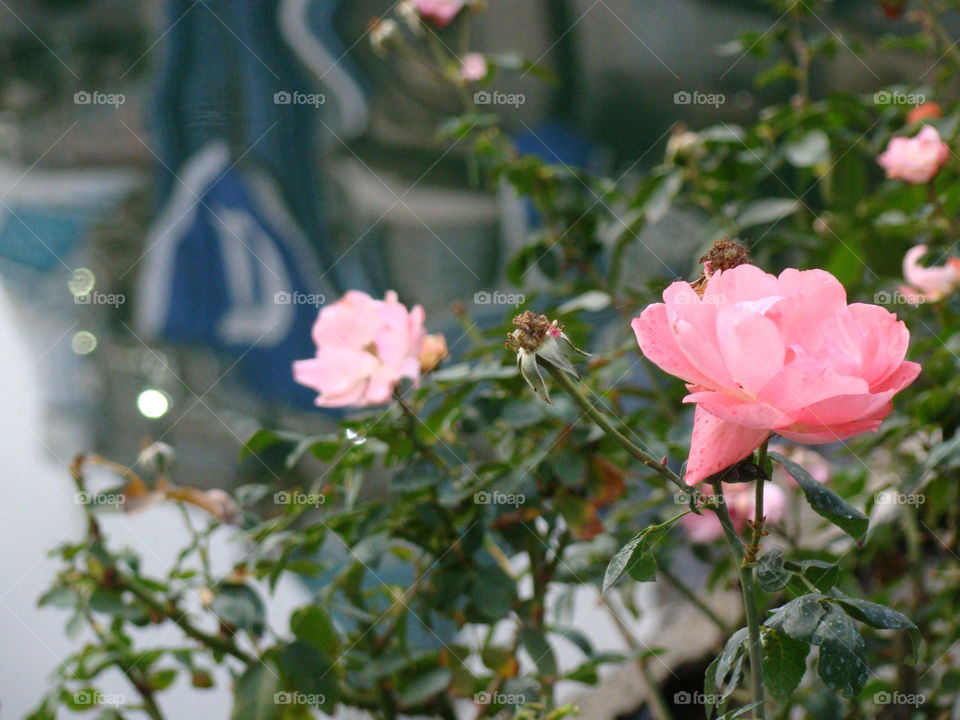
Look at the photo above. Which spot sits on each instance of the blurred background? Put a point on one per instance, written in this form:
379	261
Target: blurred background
184	183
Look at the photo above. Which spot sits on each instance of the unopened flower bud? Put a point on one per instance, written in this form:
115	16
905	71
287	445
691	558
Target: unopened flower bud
383	35
432	351
156	458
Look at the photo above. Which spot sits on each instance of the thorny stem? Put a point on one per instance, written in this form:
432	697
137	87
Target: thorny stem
607	426
749	599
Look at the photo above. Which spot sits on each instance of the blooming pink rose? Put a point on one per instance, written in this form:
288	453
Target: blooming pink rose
364	348
741	502
440	12
473	67
928	284
917	159
763	354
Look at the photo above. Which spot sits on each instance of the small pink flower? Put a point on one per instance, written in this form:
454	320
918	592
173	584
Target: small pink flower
741	502
440	12
763	354
473	67
928	284
364	348
917	159
810	460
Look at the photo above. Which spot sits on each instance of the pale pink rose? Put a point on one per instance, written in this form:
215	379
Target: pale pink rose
917	159
473	67
928	284
741	502
810	460
364	348
764	354
440	12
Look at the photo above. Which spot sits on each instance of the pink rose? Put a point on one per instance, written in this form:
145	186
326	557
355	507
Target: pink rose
917	159
440	12
763	354
473	67
741	502
364	348
928	284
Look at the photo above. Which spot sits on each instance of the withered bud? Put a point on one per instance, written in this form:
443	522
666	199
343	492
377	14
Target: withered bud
532	330
725	255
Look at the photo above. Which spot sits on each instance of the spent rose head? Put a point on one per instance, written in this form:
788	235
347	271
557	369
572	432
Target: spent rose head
364	348
917	159
764	354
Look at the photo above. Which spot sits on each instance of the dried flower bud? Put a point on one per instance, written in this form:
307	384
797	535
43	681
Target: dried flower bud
538	340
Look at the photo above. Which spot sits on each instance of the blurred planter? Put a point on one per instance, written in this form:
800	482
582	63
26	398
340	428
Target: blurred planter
431	244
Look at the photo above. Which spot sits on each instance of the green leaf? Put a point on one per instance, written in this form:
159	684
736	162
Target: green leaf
310	672
880	616
255	695
636	556
826	502
660	199
812	149
798	618
162	679
771	574
313	625
537	645
723	675
239	606
843	663
493	593
784	662
822	575
425	686
765	211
